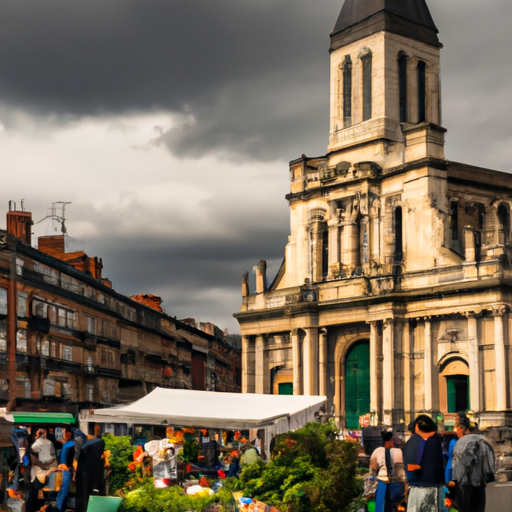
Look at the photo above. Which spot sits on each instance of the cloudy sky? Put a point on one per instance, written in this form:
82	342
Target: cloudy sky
169	125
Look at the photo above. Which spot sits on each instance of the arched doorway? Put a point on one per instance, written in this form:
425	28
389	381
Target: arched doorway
454	385
357	383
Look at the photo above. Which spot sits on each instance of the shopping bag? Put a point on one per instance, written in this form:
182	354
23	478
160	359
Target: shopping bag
370	484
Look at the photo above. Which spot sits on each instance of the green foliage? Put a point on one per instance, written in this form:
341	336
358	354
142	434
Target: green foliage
148	499
190	451
121	454
311	470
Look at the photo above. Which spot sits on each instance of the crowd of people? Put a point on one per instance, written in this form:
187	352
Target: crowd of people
432	472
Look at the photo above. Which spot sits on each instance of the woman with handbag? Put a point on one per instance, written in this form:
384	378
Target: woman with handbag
386	464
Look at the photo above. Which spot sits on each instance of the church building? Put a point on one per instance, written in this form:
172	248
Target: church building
394	296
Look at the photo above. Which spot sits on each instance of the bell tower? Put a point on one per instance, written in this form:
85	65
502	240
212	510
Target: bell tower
385	97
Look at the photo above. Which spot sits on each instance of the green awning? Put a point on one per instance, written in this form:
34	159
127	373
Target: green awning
30	418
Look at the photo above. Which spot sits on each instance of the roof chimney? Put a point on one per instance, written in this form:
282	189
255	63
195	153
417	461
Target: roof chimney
19	224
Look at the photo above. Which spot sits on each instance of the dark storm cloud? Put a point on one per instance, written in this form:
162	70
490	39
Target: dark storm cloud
248	71
247	79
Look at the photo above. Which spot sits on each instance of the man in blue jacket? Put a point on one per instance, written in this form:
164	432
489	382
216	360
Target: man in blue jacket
424	467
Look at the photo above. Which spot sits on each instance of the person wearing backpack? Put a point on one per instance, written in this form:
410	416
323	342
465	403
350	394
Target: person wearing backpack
386	464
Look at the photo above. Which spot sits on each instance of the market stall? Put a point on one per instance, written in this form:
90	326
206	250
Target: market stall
276	414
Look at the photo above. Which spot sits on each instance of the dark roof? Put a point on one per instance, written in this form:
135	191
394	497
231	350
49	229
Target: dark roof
361	18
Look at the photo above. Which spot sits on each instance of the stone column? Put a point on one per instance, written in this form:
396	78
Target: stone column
297	377
388	391
245	364
334	244
350	246
260	365
374	390
323	363
427	382
407	373
310	362
499	311
474	367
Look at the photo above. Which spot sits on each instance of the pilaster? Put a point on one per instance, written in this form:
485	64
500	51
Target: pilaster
499	312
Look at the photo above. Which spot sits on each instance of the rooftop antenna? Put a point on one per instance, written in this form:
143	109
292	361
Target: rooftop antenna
61	205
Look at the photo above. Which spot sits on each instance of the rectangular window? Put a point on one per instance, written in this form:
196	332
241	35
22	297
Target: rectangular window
62	317
45	348
67	353
70	319
367	86
454	207
91	325
89	392
422	92
3	301
22	304
402	85
53	349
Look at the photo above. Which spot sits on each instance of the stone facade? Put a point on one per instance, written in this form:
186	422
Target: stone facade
394	294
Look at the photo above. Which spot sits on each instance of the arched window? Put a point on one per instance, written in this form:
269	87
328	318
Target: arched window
347	91
402	85
357	383
422	92
366	61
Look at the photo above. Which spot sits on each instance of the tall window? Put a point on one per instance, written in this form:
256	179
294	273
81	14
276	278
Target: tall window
366	61
325	254
504	225
422	92
347	91
454	207
402	85
399	244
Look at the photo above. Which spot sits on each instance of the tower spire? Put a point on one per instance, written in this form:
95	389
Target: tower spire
361	18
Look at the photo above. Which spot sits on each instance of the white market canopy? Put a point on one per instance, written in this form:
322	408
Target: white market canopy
229	411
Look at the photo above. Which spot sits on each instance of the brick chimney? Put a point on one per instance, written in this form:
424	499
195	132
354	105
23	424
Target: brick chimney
148	299
19	224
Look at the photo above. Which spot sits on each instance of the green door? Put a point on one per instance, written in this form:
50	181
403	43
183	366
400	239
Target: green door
357	384
458	393
286	388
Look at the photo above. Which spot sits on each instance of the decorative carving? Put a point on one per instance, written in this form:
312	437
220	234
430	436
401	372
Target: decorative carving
342	168
382	285
368	169
336	270
375	209
499	309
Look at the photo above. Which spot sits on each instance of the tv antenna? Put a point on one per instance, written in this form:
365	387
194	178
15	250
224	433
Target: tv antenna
61	207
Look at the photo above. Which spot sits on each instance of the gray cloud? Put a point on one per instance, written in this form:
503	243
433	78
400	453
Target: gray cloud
249	80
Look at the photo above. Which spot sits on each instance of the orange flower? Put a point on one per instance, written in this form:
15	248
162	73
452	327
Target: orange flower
132	466
238	435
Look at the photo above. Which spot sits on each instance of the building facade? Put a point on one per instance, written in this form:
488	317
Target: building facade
394	294
68	340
